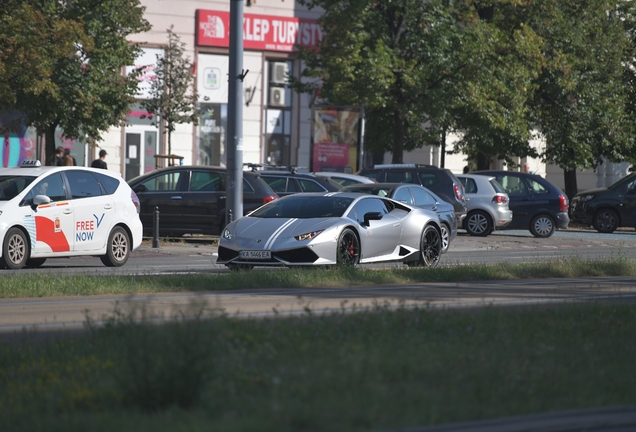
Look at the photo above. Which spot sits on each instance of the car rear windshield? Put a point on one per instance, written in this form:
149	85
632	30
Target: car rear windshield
11	186
498	188
304	207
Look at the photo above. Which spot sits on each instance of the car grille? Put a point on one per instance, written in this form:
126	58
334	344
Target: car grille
302	255
226	254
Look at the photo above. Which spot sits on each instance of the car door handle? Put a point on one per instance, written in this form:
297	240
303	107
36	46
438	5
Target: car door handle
108	206
68	211
176	197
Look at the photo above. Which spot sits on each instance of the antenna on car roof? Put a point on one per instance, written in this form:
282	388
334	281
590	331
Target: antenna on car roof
294	169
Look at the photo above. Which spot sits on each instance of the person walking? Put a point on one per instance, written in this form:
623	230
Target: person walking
59	156
100	162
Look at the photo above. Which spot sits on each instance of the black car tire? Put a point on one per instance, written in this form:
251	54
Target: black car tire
15	249
542	226
35	262
117	248
478	223
445	237
348	249
430	248
605	221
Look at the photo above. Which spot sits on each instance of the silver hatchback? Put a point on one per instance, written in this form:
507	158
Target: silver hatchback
487	204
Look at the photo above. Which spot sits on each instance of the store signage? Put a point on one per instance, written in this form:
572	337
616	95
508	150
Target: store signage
260	32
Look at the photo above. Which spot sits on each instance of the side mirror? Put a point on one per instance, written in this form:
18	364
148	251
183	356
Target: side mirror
140	189
371	216
41	199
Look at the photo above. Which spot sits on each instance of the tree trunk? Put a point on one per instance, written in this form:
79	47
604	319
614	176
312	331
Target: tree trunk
483	162
398	137
571	188
49	144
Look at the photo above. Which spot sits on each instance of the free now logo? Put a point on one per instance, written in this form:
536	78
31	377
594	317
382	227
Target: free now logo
85	230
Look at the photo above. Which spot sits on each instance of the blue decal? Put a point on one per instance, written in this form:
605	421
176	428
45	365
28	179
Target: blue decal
99	220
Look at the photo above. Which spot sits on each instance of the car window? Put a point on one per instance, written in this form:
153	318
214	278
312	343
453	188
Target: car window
247	186
109	183
513	185
428	179
51	186
11	186
83	184
165	182
496	186
365	206
375	175
307	185
206	181
470	185
304	207
537	187
280	184
421	197
400	176
402	194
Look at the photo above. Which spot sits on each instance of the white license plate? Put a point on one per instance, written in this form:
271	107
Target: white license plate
257	255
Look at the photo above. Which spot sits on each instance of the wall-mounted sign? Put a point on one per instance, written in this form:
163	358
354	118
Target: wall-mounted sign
260	32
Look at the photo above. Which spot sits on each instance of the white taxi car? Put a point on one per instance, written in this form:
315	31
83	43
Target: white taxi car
53	211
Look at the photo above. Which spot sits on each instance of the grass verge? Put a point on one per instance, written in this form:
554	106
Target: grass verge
43	285
374	370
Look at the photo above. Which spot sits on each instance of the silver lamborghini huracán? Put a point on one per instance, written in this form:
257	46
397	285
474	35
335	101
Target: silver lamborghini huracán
317	229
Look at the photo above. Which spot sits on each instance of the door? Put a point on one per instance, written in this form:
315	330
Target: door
164	190
52	229
521	200
133	154
381	236
204	201
94	213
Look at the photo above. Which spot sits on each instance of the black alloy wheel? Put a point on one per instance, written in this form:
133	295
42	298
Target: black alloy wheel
348	252
605	221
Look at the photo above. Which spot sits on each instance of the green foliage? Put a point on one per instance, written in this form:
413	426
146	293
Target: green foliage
373	370
81	48
173	98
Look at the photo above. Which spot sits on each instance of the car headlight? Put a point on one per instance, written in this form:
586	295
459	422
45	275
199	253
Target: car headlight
586	197
227	234
307	236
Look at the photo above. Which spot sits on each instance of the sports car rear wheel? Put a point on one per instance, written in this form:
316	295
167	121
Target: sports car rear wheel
430	247
348	253
445	238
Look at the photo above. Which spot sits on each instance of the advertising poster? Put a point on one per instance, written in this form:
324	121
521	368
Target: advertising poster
336	139
18	141
211	136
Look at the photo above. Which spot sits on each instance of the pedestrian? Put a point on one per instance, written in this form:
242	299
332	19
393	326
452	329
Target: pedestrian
100	162
59	156
466	169
68	160
526	167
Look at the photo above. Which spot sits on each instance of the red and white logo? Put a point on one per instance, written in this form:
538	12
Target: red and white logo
213	28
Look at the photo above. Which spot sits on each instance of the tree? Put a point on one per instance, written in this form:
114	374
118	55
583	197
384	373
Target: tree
173	98
582	100
423	69
86	91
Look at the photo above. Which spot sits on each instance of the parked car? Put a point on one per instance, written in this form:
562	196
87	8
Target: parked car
318	229
290	181
536	204
55	211
192	199
345	179
417	196
607	208
487	204
441	181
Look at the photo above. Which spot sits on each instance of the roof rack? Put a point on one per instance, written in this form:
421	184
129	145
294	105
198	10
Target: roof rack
404	165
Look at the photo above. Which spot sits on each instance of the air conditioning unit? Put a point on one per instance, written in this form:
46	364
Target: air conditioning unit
277	96
279	73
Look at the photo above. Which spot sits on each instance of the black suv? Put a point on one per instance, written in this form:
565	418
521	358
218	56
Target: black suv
289	181
607	208
536	204
192	199
439	180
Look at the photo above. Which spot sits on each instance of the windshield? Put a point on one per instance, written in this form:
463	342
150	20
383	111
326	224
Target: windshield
11	186
304	207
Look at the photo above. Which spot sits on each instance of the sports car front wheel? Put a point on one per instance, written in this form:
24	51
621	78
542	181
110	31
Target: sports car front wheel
348	253
430	248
